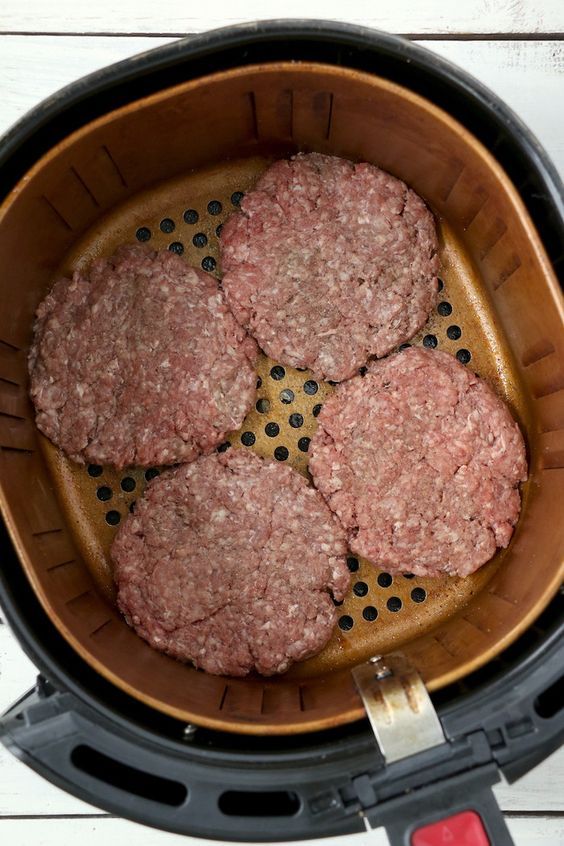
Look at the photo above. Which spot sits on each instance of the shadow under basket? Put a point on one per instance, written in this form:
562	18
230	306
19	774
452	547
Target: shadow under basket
168	170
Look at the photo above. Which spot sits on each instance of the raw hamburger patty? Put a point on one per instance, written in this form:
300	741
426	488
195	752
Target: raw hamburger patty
421	462
138	360
229	562
330	262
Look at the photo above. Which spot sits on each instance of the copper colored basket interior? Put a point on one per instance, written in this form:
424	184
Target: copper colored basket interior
141	172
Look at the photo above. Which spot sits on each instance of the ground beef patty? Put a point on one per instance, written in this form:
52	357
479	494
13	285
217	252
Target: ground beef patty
330	262
229	562
421	462
138	360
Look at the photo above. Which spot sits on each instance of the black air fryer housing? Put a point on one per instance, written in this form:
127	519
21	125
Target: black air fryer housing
88	737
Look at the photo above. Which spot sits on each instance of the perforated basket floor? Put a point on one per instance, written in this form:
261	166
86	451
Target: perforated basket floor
381	612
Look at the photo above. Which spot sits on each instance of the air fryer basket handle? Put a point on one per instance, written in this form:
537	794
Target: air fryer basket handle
456	806
459	810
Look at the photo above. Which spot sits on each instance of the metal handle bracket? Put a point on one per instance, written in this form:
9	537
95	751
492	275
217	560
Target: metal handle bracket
399	708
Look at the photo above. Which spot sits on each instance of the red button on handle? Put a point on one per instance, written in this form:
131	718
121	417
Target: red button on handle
464	829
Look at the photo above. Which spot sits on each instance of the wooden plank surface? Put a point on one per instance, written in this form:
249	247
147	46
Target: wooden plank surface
528	75
179	17
31	70
526	831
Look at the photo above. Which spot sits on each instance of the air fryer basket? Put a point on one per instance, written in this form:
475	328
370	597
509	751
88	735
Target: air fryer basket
203	143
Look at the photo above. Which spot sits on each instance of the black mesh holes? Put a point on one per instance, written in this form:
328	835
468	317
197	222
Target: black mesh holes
200	239
360	589
191	216
281	453
311	387
277	373
104	493
394	604
303	444
286	396
128	484
296	420
143	234
113	518
208	264
384	580
352	564
346	622
176	247
214	207
444	309
430	341
464	356
94	470
418	594
370	613
454	332
262	406
272	430
248	439
167	225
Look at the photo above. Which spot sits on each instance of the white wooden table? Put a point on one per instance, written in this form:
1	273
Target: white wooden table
516	47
